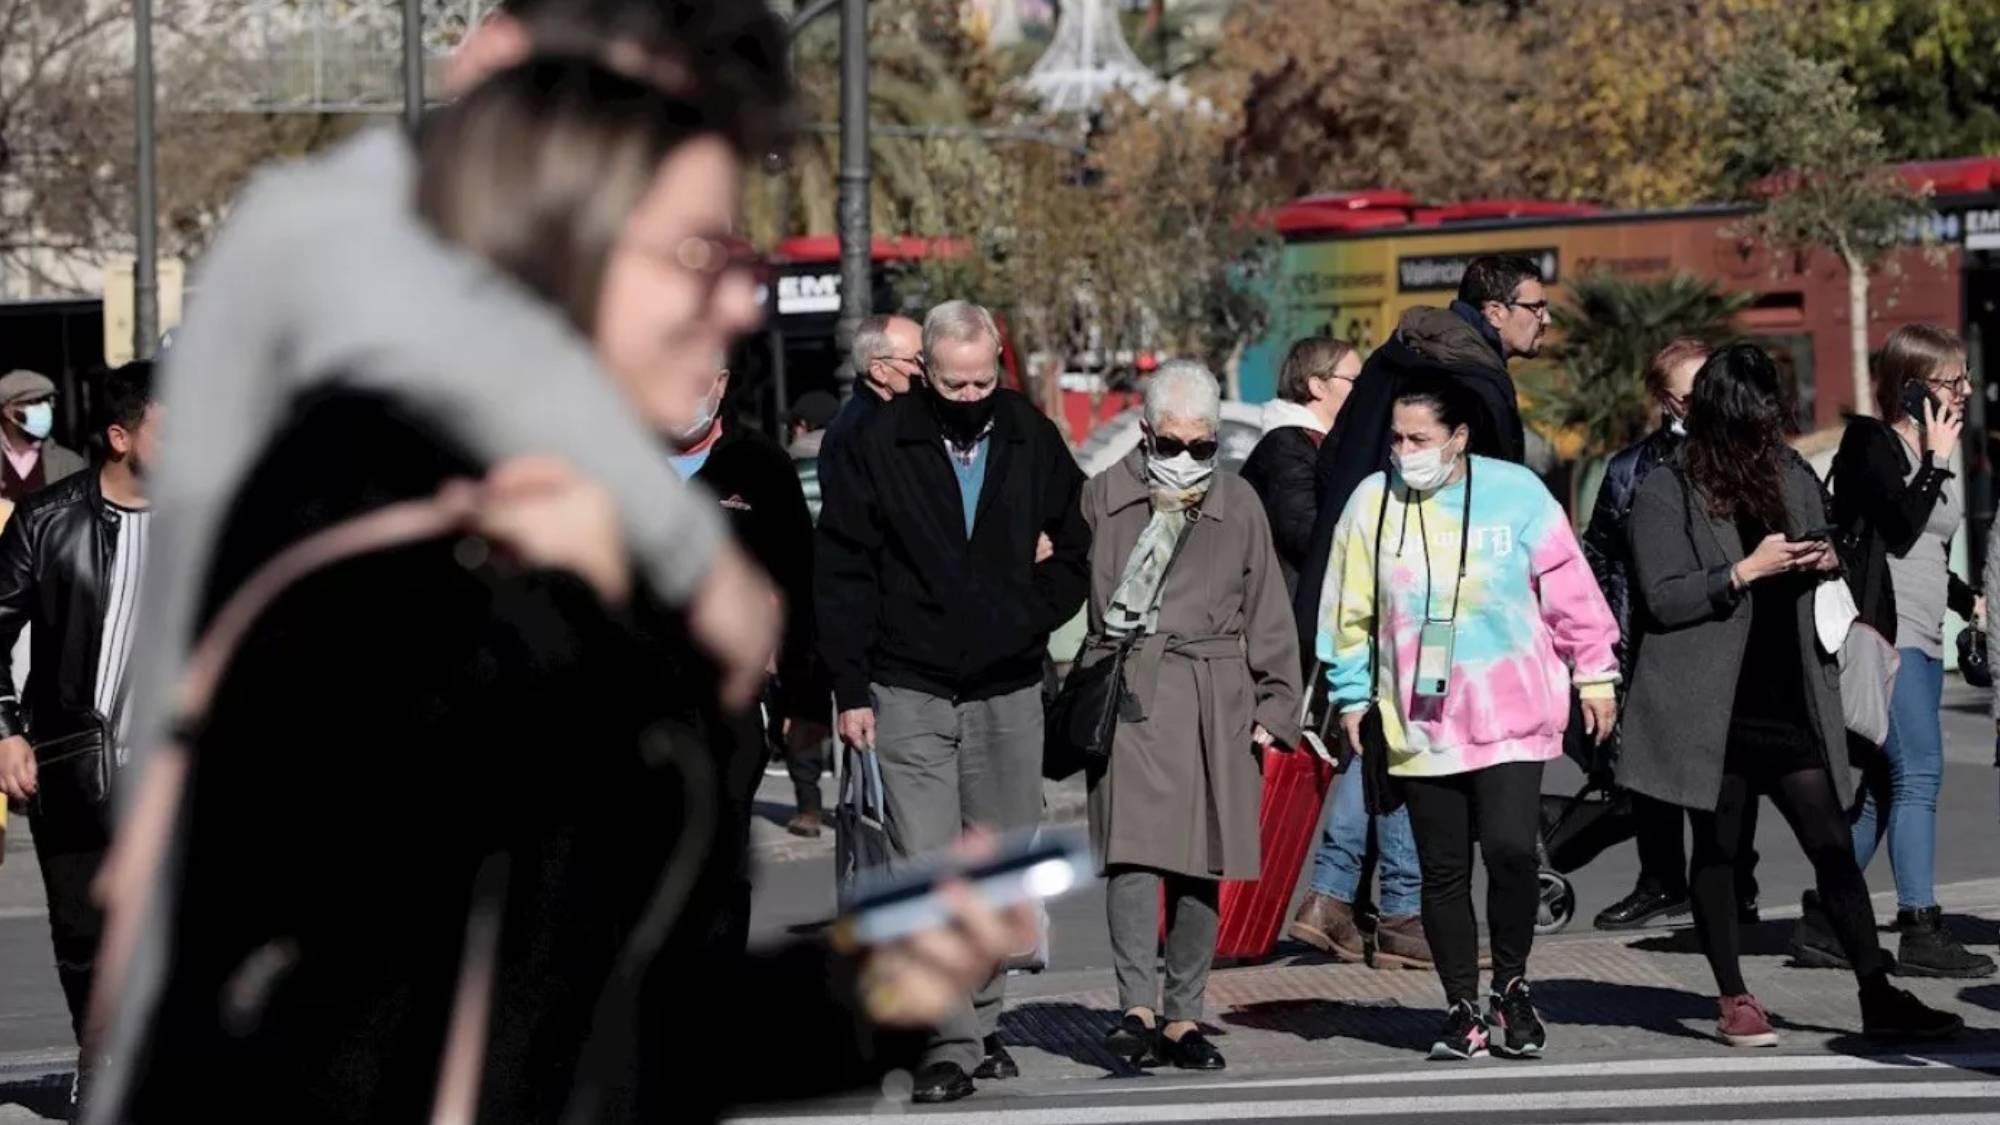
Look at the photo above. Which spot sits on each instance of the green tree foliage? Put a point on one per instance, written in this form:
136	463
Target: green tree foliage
1795	138
1926	72
1607	333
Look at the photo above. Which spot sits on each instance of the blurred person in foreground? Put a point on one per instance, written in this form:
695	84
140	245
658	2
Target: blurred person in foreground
1732	696
1661	891
528	768
1182	565
70	560
33	459
389	307
948	550
1500	315
1898	501
1461	611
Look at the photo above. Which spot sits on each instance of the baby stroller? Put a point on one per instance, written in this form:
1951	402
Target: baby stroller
1579	828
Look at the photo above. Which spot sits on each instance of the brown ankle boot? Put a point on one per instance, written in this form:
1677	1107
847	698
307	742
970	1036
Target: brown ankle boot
1327	924
1400	944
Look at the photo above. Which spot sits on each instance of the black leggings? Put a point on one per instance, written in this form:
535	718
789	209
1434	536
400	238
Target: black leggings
1502	804
1806	799
1663	859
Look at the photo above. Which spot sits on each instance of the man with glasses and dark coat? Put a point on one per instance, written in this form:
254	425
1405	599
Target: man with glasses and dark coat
1501	313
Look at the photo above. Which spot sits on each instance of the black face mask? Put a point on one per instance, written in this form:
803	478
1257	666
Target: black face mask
962	422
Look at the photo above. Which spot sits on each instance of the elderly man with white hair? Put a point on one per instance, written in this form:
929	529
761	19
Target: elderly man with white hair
953	548
1182	569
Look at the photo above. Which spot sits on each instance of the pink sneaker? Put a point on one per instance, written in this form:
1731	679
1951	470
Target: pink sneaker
1745	1023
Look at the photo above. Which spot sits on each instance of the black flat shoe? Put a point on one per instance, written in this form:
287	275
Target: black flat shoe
1192	1051
997	1064
1134	1042
1639	908
941	1082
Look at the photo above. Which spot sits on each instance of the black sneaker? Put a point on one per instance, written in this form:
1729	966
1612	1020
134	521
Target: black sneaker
1887	1012
1517	1029
1464	1035
1641	907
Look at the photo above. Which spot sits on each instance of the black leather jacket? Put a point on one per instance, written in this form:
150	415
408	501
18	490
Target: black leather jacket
54	556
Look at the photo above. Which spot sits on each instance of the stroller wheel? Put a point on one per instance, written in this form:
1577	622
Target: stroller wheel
1558	902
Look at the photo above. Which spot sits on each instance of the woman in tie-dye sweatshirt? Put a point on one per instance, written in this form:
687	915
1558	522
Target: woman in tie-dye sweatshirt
1526	621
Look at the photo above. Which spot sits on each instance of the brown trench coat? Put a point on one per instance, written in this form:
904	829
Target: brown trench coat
1181	793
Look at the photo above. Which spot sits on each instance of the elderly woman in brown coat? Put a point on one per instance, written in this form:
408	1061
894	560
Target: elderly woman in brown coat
1181	557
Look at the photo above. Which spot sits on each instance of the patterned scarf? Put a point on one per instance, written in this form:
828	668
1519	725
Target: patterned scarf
1134	608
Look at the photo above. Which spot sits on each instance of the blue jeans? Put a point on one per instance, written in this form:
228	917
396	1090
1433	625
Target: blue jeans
1905	779
1337	866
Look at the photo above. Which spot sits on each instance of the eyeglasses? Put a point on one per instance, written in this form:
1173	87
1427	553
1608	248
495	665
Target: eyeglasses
1957	383
714	257
1539	308
1201	449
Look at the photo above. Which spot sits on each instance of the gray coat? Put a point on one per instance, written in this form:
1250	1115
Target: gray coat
1184	784
59	462
1692	629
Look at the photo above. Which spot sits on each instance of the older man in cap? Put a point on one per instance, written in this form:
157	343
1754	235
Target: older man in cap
27	417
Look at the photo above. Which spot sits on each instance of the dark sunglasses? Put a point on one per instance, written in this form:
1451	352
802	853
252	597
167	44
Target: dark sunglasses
1202	449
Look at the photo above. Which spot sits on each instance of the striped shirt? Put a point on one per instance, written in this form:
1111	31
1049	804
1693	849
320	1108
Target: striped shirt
121	613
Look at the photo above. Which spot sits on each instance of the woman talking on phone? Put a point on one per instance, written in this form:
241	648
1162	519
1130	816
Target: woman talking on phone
1897	504
1731	695
1458	610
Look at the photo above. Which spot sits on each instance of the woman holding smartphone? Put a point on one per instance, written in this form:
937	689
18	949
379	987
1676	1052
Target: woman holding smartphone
1732	698
1897	505
1458	606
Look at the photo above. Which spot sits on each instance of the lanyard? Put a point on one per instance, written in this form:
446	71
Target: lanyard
1464	547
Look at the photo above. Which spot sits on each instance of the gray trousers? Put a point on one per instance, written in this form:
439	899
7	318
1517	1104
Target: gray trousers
1132	903
947	767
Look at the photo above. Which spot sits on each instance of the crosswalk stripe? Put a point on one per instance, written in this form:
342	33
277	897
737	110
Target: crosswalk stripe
1772	1064
1429	1106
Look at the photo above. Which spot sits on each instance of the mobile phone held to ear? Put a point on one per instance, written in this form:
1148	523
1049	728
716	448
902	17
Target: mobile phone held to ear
1915	395
891	905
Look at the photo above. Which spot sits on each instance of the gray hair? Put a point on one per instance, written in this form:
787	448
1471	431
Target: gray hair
871	342
959	322
1183	388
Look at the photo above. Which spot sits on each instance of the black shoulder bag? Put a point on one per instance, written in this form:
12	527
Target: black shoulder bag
1083	719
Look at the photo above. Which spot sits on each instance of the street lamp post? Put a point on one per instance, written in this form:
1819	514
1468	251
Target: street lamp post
413	62
856	284
146	219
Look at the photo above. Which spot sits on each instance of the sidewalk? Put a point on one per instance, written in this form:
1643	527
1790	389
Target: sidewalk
1640	995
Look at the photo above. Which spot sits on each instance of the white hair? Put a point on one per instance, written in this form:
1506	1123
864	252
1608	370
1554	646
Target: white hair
1184	389
959	322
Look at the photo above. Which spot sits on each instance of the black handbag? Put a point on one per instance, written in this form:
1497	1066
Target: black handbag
1082	721
1380	794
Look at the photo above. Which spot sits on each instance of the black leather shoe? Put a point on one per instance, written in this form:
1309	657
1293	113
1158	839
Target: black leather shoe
1134	1042
1642	906
997	1063
1192	1051
941	1082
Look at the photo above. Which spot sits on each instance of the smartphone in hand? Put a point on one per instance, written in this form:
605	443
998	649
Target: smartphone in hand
892	904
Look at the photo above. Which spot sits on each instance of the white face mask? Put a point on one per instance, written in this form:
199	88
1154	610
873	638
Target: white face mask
1179	473
38	420
1427	470
703	418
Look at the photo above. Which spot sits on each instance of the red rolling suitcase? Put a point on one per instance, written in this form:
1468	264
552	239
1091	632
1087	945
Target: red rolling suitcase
1253	911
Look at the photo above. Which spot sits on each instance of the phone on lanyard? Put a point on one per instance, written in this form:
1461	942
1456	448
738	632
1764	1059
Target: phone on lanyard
1434	650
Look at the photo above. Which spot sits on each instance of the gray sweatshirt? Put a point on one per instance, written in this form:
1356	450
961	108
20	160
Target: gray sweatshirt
326	272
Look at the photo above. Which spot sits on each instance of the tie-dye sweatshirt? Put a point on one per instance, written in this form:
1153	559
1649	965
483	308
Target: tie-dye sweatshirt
1529	612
